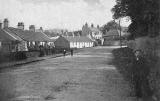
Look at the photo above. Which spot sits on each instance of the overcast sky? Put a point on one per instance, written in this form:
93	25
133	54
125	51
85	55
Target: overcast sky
69	14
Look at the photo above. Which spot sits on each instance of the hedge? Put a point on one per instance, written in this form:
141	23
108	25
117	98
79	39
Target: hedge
123	62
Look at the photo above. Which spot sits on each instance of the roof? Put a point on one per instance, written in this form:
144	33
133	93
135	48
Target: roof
78	39
28	35
70	33
77	33
6	36
50	34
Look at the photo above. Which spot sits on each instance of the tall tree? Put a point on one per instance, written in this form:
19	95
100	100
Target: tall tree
110	25
144	15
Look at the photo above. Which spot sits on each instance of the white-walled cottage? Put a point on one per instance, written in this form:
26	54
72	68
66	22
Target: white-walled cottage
73	42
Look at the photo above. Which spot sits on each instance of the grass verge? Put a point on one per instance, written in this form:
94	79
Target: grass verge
123	62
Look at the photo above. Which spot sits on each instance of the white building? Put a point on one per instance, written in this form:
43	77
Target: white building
73	42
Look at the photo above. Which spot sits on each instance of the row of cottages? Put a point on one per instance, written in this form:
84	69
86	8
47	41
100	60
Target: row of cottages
18	39
73	42
93	32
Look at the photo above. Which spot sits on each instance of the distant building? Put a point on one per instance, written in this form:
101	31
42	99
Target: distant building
93	32
55	32
111	37
18	39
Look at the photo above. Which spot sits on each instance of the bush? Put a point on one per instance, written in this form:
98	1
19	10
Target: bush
123	61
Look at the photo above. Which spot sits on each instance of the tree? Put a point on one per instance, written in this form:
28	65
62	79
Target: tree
110	25
144	15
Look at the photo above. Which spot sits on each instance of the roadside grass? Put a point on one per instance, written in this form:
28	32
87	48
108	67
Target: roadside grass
123	61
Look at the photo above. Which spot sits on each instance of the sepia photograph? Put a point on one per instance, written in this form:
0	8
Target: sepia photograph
79	50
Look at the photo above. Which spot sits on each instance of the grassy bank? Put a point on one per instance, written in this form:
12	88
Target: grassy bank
123	61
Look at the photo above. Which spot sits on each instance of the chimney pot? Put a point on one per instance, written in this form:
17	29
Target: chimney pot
20	25
98	26
32	28
0	25
6	23
92	25
41	29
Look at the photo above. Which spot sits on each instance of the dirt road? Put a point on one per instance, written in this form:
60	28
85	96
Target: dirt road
87	76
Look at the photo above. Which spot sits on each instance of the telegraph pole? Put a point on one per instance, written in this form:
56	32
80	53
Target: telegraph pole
120	33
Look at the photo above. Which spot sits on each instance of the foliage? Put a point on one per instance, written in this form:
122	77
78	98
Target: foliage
123	60
110	25
144	15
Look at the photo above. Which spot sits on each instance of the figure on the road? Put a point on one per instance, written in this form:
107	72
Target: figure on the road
71	52
141	72
64	52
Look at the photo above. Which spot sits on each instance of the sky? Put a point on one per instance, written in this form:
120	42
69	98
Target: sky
62	14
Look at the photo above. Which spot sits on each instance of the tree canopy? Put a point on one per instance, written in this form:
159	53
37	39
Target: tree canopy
144	15
110	25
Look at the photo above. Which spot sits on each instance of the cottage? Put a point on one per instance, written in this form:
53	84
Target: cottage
31	39
9	43
73	42
111	37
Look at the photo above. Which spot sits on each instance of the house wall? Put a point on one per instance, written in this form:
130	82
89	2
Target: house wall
78	45
72	45
7	47
22	46
96	35
81	44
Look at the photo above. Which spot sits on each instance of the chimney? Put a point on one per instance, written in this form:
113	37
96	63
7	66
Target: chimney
62	32
92	25
73	34
86	24
41	29
32	28
20	25
98	26
6	23
0	25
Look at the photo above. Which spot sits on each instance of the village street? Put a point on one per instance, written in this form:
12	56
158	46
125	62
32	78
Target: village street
87	76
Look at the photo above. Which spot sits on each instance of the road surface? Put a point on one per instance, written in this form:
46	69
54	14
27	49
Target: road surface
87	76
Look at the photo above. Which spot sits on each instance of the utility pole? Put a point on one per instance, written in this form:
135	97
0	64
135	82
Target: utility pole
120	33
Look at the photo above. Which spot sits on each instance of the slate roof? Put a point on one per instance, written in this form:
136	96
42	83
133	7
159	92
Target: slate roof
78	39
28	35
8	36
50	34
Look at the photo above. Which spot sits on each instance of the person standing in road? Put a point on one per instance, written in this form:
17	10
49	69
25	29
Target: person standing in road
64	52
71	52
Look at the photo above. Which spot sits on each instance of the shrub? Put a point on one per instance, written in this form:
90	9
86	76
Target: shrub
123	61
